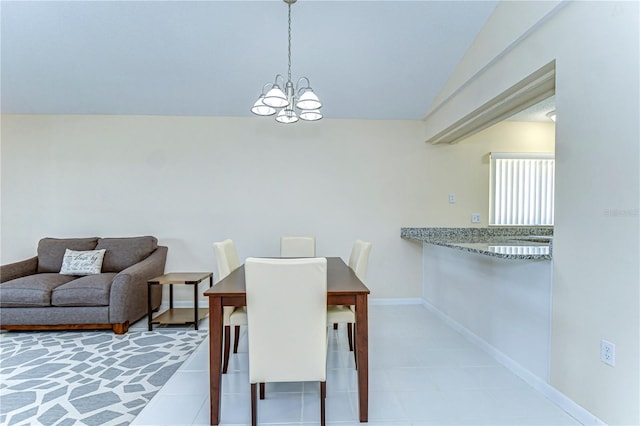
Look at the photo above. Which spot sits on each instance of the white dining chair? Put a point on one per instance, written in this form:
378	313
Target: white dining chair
300	285
298	246
227	261
342	314
359	259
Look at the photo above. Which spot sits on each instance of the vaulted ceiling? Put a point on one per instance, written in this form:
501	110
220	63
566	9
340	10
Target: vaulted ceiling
365	59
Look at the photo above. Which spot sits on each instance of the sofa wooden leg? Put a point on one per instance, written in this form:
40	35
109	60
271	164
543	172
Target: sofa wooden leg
121	328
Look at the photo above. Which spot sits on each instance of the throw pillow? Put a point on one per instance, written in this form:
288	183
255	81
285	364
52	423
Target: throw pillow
51	251
82	262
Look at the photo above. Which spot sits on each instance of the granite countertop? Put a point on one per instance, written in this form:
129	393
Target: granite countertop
532	243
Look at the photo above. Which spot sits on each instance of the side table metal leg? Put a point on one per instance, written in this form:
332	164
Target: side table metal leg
149	311
170	296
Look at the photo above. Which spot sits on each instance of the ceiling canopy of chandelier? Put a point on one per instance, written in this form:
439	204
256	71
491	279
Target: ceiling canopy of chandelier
273	97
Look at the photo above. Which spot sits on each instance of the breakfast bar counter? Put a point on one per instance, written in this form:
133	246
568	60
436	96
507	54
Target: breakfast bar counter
534	243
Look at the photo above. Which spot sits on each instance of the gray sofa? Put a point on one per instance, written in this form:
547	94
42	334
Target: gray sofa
35	296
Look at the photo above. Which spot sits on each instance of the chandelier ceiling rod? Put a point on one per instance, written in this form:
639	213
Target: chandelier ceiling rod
305	100
289	3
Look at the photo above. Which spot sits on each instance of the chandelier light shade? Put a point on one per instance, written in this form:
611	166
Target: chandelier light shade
301	97
260	108
308	100
275	98
311	115
286	116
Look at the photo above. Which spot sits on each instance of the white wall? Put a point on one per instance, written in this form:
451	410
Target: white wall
504	302
596	277
191	181
463	169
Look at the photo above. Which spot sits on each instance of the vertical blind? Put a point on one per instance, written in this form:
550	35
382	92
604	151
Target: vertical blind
522	188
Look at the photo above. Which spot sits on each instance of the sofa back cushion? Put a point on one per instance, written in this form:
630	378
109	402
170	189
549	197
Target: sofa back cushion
51	251
124	252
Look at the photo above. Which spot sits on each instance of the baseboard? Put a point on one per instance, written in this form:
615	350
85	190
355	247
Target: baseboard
390	301
183	304
554	395
397	301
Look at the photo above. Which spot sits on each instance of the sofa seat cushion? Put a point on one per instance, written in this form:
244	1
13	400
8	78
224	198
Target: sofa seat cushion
51	251
124	252
32	290
91	290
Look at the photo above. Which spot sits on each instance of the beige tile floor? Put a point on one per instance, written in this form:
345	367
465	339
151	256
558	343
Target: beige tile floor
422	372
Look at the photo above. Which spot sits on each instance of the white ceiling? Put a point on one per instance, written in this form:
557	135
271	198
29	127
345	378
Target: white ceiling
365	59
537	112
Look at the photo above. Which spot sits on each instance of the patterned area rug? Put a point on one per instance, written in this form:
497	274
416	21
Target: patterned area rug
86	378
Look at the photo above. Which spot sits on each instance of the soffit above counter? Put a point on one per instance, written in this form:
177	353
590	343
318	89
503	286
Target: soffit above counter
535	88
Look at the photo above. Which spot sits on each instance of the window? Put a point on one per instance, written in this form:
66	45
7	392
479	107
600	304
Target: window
521	189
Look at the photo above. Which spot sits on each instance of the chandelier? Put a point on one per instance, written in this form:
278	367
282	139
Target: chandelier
302	97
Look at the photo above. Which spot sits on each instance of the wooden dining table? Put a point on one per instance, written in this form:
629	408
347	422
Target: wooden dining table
343	288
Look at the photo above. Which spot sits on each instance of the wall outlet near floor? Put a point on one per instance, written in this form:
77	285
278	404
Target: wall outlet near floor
475	217
608	353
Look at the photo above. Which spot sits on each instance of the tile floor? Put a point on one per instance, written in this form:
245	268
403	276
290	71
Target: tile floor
422	372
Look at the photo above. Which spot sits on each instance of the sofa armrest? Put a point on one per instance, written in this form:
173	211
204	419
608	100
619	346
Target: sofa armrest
128	299
20	269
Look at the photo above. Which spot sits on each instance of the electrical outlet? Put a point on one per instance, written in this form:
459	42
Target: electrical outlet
608	353
475	217
452	198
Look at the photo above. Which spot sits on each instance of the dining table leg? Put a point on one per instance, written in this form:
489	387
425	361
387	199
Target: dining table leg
215	356
362	348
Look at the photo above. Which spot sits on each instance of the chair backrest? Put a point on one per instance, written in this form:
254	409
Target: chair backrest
298	246
287	321
226	257
359	258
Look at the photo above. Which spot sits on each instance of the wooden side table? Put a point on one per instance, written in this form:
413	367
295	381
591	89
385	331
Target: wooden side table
179	315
